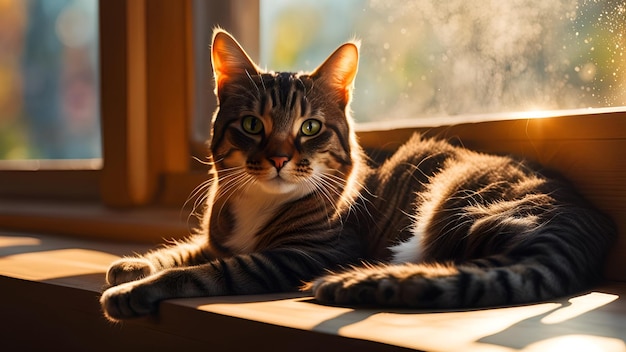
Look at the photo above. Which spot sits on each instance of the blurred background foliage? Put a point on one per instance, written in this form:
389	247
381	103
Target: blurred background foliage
430	58
49	88
419	59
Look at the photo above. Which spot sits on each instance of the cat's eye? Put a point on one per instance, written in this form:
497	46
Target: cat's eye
311	127
252	124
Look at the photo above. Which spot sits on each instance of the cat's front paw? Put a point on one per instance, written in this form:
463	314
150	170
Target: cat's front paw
128	300
128	269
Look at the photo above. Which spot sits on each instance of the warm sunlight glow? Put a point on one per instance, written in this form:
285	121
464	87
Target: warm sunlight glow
6	241
578	306
46	265
302	315
536	114
578	343
431	331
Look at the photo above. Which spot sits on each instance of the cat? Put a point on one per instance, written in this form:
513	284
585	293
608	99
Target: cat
295	204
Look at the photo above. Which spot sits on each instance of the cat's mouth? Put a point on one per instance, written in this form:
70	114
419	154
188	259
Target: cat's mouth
277	185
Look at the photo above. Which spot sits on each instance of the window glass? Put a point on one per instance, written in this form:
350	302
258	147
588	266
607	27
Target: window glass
429	58
49	95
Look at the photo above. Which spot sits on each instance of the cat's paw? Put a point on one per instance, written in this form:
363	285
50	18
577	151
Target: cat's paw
128	269
128	300
344	289
415	286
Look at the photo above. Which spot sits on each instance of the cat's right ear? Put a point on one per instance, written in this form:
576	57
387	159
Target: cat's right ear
339	70
229	60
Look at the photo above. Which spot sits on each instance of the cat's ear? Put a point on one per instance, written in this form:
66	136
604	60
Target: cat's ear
229	59
339	69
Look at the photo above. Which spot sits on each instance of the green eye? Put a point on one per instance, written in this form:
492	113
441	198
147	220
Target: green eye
252	124
311	127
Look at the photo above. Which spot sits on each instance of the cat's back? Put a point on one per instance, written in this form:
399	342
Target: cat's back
431	187
438	166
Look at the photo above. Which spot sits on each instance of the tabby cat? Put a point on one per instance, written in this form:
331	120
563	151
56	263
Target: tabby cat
295	204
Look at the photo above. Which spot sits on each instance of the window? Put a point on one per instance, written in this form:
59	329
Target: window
156	100
441	58
49	99
148	65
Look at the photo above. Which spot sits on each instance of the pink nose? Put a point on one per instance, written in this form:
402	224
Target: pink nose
278	161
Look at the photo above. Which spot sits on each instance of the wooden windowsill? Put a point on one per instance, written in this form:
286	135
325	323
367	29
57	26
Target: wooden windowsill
89	219
50	288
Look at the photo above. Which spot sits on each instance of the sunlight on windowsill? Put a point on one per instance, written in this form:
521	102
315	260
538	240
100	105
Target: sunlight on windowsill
579	306
577	343
429	122
491	329
52	264
588	322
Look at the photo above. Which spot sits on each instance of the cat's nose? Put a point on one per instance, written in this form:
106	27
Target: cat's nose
278	161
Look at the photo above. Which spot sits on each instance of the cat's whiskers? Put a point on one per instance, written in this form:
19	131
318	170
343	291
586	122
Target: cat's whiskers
200	194
227	180
203	162
327	183
203	190
234	186
337	183
231	183
360	185
316	183
361	202
200	189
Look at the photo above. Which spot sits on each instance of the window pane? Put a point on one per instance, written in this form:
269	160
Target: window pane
49	98
428	58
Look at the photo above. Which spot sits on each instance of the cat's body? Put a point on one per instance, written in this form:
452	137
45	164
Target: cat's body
292	197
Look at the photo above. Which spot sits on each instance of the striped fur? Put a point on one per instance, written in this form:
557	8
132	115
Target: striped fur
293	201
484	231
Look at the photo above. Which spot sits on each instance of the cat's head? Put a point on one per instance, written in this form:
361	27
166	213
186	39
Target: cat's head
283	132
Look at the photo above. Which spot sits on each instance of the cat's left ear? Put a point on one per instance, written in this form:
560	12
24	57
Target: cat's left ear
339	70
229	60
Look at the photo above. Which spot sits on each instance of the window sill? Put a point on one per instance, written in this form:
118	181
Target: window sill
90	219
51	286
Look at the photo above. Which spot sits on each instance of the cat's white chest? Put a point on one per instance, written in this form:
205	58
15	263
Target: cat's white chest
409	251
251	213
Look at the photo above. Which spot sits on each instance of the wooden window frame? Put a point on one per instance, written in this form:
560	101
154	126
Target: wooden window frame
150	161
148	99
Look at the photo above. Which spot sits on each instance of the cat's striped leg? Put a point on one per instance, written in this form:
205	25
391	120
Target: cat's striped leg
281	270
191	252
141	297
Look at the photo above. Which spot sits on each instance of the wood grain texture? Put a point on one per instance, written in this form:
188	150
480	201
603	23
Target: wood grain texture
51	286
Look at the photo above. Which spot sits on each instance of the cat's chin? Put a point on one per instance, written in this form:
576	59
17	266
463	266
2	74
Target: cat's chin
278	185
